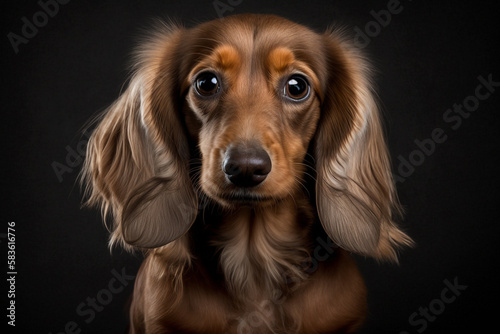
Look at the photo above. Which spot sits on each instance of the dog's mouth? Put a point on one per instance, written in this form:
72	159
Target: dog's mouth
244	197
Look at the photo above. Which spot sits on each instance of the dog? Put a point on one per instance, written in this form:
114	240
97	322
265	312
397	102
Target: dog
247	160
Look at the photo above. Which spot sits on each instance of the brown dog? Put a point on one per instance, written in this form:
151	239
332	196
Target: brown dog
237	149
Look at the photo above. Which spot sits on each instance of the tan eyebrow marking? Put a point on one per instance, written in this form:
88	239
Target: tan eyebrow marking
226	57
279	59
223	58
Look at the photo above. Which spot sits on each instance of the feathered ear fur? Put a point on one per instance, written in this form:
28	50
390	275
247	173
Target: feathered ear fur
136	167
355	192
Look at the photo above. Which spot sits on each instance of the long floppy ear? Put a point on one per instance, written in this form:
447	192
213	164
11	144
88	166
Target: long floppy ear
137	166
355	192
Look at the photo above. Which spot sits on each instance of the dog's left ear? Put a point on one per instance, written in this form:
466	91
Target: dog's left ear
137	163
355	192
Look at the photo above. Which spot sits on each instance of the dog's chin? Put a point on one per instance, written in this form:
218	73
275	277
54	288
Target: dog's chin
243	198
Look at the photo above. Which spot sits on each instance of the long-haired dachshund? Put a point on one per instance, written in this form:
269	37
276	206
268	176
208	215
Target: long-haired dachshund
246	158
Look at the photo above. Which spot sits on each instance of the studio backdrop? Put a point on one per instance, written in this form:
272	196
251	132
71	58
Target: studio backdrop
437	75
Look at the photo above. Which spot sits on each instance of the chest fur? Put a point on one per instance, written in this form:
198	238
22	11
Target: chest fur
262	252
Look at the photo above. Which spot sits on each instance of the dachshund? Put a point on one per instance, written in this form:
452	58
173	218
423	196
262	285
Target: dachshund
246	159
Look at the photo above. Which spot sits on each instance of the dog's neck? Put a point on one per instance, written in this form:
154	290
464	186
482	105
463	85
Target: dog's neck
265	250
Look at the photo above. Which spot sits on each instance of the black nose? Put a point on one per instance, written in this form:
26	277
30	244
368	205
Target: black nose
246	165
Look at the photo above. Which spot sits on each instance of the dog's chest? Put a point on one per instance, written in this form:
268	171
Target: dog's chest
261	253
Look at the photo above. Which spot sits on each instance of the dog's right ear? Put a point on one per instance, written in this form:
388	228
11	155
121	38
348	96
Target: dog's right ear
355	192
137	163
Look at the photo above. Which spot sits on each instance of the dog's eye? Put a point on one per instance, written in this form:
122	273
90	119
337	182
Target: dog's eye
207	84
297	88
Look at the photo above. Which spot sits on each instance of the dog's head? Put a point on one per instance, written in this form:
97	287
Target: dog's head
254	94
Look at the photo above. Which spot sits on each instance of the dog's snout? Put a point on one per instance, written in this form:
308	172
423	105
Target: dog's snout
246	166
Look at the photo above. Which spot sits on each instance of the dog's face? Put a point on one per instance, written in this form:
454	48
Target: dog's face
253	107
255	94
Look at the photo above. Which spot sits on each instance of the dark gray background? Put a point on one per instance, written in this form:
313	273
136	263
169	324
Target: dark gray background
428	57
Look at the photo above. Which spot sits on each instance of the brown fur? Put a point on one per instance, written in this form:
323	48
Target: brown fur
216	264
